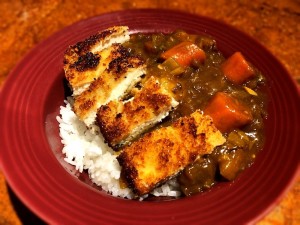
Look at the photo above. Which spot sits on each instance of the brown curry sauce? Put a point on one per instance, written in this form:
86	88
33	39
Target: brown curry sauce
193	86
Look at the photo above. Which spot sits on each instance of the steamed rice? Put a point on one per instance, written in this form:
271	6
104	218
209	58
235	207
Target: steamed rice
85	149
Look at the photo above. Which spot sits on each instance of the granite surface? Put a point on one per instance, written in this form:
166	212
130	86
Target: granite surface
275	24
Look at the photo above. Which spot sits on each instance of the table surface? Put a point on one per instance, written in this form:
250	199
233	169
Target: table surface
275	24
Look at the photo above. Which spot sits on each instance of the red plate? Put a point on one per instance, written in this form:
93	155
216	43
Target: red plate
32	161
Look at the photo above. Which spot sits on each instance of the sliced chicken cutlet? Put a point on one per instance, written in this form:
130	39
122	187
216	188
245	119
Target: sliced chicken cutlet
161	154
86	60
121	122
122	73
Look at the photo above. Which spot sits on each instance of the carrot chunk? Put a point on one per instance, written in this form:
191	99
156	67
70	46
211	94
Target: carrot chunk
184	53
237	69
227	112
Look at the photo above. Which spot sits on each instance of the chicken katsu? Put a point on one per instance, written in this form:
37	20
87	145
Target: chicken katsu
123	72
163	153
122	121
86	60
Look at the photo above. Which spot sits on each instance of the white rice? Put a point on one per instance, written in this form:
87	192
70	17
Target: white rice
85	149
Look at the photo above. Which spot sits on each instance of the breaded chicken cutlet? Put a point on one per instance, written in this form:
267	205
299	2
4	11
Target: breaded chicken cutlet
84	61
123	72
121	122
99	69
161	154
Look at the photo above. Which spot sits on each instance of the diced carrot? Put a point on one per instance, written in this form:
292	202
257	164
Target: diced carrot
227	112
237	69
184	53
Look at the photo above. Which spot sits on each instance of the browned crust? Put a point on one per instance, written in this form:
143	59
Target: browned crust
80	63
101	88
122	60
117	119
75	53
163	153
85	62
81	48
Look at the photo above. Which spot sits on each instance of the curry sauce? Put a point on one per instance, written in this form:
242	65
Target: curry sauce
194	85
